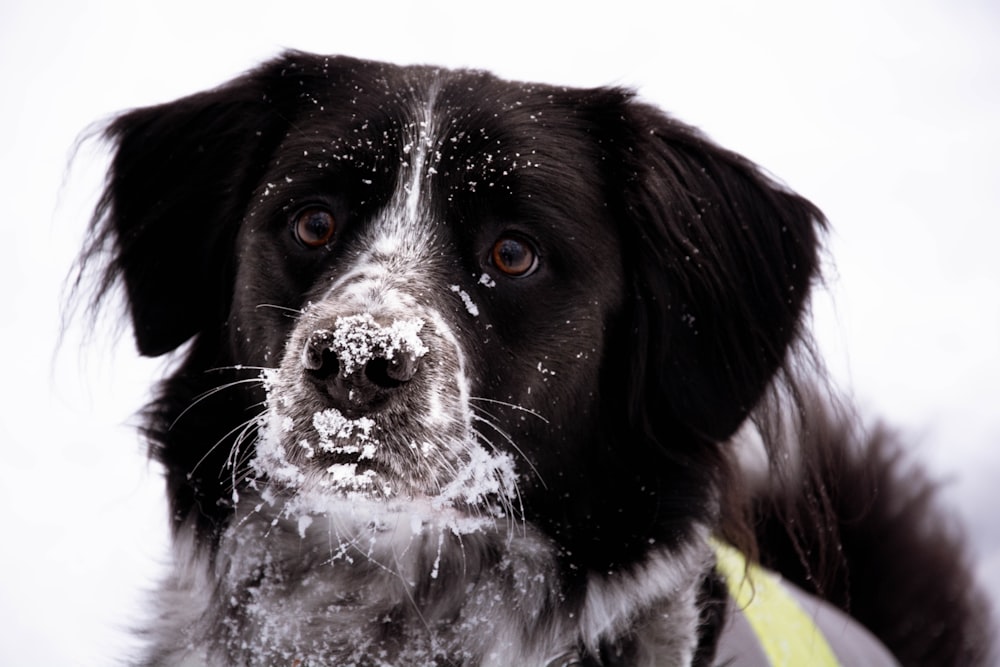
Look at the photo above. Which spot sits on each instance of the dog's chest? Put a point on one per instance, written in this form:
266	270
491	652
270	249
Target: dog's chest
403	590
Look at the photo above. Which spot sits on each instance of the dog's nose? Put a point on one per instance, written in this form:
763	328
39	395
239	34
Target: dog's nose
360	363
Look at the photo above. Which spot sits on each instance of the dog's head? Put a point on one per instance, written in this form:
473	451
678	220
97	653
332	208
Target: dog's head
496	297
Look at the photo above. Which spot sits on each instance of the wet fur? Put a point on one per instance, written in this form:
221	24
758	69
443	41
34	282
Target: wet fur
599	397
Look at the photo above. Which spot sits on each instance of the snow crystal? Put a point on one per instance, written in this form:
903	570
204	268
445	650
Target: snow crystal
359	338
483	476
304	522
272	456
332	426
437	560
306	445
346	476
467	300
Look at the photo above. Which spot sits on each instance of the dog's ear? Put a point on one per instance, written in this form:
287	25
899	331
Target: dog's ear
722	260
180	176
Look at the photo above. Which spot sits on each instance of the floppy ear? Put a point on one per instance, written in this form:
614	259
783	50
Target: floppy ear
178	182
722	262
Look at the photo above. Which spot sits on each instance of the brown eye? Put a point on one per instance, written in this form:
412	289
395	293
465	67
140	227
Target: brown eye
514	256
314	227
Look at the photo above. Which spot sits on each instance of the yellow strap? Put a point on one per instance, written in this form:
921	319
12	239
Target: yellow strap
786	633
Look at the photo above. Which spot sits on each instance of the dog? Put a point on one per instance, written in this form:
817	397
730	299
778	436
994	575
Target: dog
477	372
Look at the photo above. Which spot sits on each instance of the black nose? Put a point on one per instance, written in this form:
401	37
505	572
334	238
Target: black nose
358	376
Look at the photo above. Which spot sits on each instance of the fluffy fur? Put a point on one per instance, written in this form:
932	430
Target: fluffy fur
460	368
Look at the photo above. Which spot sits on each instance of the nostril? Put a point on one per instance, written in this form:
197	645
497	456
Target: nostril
378	373
403	366
318	356
392	372
329	365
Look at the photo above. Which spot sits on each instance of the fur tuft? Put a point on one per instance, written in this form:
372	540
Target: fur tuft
889	550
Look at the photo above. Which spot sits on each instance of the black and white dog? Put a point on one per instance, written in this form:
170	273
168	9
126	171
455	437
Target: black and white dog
472	372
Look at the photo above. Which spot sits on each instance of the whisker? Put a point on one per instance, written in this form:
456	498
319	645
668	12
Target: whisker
212	392
409	594
353	542
510	441
297	312
242	426
513	406
516	515
513	515
233	461
239	367
242	465
481	437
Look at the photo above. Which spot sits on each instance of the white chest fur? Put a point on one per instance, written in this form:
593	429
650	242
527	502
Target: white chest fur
411	586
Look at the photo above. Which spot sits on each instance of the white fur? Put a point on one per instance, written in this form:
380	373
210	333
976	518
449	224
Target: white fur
511	614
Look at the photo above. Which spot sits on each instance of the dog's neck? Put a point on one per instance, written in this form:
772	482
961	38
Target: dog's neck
363	583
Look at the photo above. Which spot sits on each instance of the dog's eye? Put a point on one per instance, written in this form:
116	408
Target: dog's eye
314	227
514	256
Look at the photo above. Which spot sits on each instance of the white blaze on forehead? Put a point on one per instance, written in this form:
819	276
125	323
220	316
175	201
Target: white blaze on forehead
405	223
399	240
422	144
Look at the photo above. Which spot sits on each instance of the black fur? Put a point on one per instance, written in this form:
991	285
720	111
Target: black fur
669	304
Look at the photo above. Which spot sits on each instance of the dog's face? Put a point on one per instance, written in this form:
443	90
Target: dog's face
435	297
459	360
500	298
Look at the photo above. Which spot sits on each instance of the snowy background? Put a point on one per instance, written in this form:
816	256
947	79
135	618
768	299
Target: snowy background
886	114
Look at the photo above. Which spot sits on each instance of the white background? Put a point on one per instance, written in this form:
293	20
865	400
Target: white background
886	114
